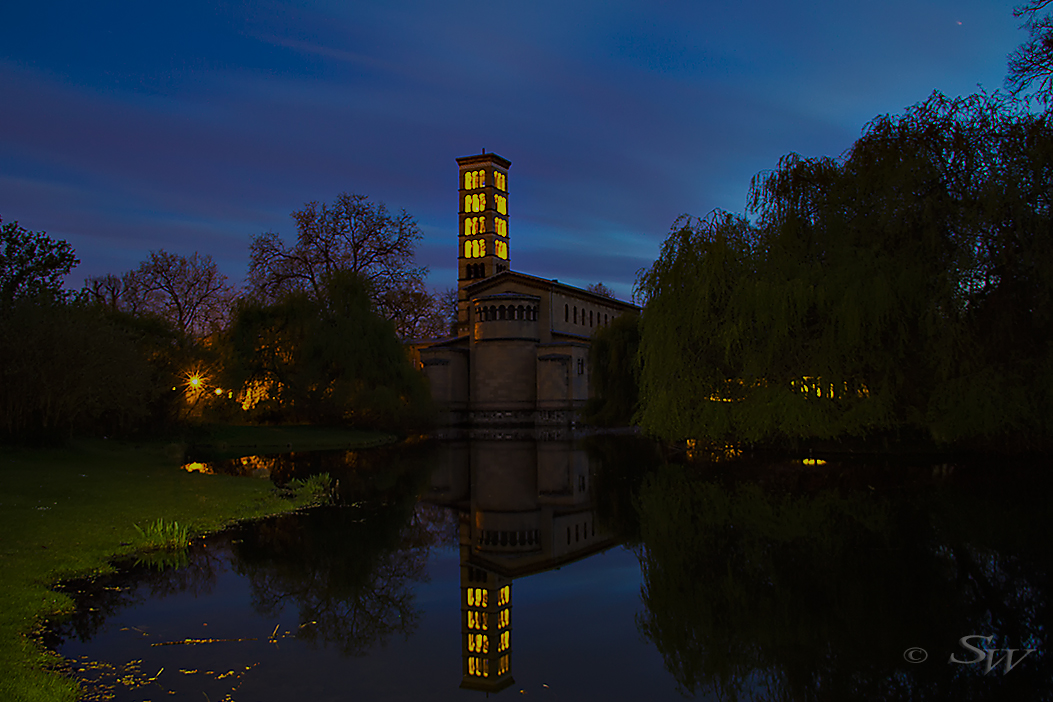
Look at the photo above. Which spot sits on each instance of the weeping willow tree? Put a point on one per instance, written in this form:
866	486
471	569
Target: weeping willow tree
904	288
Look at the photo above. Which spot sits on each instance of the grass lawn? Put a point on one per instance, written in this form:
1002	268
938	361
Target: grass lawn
66	512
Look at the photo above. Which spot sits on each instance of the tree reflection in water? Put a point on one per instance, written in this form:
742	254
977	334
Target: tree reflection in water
349	571
755	593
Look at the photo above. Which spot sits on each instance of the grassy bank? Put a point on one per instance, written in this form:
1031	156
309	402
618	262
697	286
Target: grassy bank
68	511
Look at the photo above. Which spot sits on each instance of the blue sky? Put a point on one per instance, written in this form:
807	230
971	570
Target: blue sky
127	127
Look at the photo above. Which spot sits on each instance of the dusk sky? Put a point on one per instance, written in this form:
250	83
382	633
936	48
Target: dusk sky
127	127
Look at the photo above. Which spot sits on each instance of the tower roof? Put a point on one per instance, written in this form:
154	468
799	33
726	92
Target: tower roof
484	158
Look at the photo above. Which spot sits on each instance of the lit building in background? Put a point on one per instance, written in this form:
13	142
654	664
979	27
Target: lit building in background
520	351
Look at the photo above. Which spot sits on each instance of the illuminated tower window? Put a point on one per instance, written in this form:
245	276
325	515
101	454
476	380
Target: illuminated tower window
483	188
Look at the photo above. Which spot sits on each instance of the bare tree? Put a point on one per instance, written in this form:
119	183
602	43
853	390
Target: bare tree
351	234
600	289
418	314
124	292
190	293
1032	62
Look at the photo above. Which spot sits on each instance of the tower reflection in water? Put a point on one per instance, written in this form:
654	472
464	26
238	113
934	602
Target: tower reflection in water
524	508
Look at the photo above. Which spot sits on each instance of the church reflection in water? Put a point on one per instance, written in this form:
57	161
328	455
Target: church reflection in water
524	507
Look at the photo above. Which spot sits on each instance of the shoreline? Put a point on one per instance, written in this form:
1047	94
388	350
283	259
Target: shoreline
69	512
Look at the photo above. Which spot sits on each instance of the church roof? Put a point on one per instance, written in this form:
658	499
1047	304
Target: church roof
480	287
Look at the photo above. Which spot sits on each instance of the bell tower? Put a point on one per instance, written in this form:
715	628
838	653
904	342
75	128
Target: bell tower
482	239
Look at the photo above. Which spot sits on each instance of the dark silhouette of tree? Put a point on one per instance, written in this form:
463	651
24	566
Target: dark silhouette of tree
600	289
905	288
418	314
32	264
325	358
188	292
353	234
66	368
1032	62
614	369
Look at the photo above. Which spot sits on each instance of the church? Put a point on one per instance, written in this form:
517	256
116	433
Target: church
521	348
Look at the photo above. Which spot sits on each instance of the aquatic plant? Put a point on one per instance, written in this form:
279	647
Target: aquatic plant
164	535
315	490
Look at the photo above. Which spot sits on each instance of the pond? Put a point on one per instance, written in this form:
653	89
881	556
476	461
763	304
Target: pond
591	569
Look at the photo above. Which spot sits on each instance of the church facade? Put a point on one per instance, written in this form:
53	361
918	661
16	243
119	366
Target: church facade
520	352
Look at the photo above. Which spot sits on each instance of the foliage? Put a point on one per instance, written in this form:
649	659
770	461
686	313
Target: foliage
32	264
752	592
328	358
316	489
907	287
189	293
160	534
67	368
614	369
1032	62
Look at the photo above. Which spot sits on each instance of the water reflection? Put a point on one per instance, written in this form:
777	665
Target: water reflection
765	582
767	592
523	507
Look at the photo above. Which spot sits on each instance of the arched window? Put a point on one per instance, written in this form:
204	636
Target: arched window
605	319
566	311
575	314
482	201
467	203
467	181
590	319
493	311
501	312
